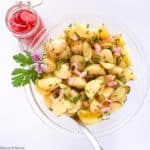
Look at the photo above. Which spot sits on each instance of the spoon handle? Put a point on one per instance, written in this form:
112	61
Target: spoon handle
90	137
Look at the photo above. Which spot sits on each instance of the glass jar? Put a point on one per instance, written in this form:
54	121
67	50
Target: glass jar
24	23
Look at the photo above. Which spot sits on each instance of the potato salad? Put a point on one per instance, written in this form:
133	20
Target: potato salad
86	72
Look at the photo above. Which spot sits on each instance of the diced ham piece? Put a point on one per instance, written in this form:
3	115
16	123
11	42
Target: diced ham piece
77	72
70	81
61	94
112	84
97	48
74	37
105	109
110	77
83	74
117	51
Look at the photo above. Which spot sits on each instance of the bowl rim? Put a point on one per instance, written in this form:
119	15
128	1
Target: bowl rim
131	35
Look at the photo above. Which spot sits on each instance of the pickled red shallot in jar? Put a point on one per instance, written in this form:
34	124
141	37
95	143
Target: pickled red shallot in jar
24	23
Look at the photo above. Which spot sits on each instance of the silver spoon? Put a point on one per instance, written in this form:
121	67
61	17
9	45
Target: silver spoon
92	139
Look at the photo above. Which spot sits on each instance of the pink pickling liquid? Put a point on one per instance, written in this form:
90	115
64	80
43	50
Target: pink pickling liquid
24	23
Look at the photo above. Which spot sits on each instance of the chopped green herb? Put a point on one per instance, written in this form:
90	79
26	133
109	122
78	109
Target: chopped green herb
125	101
86	99
115	95
40	76
96	38
107	113
66	88
87	32
117	41
96	59
86	91
50	109
66	97
88	25
70	25
56	84
100	116
88	63
106	116
67	37
127	88
90	78
120	83
59	63
100	30
110	48
82	38
50	40
75	99
44	54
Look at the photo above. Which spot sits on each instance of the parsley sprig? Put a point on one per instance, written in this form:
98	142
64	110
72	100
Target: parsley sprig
22	76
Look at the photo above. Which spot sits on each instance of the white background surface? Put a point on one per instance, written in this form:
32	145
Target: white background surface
19	126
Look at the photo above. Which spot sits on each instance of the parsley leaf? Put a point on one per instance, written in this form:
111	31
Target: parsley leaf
23	59
34	75
21	77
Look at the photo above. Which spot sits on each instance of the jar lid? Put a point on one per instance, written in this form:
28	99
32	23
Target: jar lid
32	3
